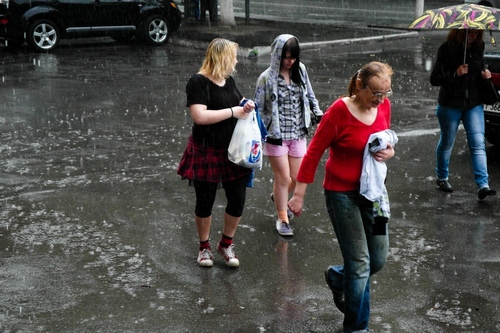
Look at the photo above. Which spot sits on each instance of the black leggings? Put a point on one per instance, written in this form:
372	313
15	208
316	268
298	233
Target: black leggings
235	195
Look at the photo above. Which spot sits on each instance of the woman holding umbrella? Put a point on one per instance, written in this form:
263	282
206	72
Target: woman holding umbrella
459	71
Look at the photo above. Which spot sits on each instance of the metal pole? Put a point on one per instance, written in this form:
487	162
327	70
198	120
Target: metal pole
186	9
419	8
247	11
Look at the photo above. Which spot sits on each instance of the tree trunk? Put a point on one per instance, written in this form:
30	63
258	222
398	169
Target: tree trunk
227	13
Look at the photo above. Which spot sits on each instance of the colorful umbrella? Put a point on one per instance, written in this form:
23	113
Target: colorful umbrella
466	16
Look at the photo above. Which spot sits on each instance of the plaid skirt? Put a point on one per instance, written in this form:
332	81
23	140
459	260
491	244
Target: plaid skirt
208	164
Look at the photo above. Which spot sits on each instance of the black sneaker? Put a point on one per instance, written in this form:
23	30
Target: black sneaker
444	186
338	296
484	192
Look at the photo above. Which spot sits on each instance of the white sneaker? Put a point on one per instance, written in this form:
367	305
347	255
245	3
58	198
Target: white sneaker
205	258
284	228
229	256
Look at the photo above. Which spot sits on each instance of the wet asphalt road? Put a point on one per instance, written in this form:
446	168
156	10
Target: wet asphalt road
97	232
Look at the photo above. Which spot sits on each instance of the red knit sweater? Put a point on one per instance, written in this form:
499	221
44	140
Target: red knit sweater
346	137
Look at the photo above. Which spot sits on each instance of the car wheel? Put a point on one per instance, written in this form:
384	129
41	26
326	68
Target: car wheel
43	35
155	30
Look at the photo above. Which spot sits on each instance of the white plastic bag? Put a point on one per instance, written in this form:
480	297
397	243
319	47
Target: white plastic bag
245	148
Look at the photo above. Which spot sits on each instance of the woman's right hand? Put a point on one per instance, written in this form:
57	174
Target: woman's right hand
462	69
296	203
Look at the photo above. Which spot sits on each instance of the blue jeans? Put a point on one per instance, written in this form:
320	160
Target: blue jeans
194	9
473	121
364	254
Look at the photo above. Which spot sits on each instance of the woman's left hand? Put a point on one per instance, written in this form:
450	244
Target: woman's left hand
249	106
486	74
385	154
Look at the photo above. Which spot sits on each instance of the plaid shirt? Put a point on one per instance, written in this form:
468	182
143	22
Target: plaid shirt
291	121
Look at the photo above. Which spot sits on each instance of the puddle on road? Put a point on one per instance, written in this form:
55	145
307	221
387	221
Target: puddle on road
39	164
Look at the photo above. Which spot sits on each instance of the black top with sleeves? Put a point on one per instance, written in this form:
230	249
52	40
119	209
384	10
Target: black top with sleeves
200	90
458	92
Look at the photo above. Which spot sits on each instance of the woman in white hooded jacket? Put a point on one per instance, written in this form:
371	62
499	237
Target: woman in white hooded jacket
288	107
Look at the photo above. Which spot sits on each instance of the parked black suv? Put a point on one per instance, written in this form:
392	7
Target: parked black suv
42	23
492	112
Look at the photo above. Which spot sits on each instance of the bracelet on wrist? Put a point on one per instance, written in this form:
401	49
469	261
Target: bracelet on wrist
232	113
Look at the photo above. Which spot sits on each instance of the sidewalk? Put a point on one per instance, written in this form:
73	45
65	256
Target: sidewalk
256	37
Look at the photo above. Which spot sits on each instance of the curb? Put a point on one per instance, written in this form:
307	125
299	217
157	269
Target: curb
189	43
266	50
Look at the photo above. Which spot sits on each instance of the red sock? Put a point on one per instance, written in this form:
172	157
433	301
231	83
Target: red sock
205	245
226	241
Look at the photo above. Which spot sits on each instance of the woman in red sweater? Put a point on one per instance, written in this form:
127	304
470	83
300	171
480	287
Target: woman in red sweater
345	129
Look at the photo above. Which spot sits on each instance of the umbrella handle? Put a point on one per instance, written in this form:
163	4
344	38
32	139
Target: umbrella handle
465	50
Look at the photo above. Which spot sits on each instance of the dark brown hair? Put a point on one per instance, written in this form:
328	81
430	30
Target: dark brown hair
456	38
292	46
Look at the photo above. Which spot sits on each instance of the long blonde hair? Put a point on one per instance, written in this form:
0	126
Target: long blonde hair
218	63
368	71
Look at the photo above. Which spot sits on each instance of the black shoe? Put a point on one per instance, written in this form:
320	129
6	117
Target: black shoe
484	192
443	185
338	296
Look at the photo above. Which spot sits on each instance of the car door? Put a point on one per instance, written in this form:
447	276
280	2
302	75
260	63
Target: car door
115	13
76	14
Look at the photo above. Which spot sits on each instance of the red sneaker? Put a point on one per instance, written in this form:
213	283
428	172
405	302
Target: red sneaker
228	254
205	258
